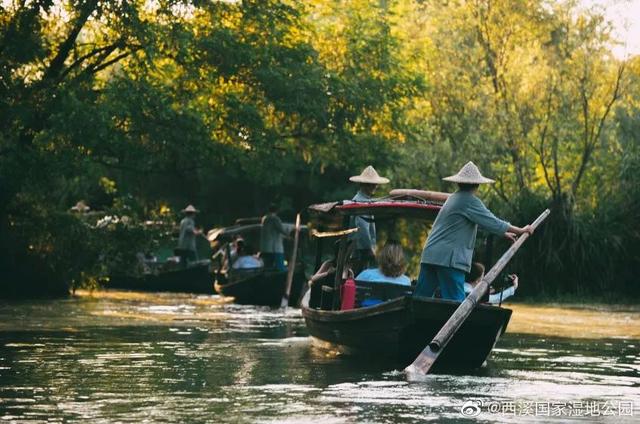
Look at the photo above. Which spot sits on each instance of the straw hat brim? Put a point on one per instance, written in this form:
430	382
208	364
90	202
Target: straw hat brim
187	210
369	180
469	180
80	207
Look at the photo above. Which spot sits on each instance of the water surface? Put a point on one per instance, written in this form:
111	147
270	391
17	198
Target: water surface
129	357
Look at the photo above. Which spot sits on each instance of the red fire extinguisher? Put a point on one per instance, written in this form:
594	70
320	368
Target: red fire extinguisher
348	294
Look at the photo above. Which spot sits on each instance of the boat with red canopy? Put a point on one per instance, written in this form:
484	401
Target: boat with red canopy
402	325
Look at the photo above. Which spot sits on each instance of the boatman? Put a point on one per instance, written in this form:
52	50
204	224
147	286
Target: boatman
447	254
271	244
364	255
186	249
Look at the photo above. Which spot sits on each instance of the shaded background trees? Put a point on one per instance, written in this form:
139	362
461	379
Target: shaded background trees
140	106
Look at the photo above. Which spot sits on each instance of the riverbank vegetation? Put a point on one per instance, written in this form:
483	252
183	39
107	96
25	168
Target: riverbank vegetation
141	107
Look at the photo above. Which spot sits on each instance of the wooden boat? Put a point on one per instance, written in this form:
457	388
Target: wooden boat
196	278
400	328
402	325
263	287
259	286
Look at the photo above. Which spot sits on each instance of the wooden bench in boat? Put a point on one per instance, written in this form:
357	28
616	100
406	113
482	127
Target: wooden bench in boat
381	291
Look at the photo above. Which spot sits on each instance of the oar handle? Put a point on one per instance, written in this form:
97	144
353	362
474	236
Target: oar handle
506	257
541	218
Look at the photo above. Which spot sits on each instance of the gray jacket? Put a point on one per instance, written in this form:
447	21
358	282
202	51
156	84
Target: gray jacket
453	236
187	239
365	238
271	234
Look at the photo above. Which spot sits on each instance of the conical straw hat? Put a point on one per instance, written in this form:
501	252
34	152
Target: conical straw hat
369	176
81	206
191	209
469	174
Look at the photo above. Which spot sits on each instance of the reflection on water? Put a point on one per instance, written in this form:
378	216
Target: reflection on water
577	321
132	357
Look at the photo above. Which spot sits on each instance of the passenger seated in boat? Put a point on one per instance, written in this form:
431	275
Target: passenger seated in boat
229	253
495	297
146	262
233	250
325	274
391	267
246	257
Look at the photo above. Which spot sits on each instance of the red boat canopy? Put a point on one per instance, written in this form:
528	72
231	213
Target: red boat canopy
419	209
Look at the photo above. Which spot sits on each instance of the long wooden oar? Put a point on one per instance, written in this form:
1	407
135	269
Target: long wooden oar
429	355
292	265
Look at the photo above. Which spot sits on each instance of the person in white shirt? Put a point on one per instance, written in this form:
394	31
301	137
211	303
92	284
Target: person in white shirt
476	274
246	258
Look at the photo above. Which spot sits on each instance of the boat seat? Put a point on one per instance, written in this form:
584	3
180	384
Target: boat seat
367	291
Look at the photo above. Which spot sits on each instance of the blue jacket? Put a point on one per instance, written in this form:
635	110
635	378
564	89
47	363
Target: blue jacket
453	236
374	275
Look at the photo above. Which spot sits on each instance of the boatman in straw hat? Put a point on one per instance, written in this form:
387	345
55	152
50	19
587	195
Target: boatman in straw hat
186	249
447	255
364	255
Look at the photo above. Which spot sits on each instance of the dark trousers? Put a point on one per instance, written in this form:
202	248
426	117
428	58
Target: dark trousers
273	260
185	256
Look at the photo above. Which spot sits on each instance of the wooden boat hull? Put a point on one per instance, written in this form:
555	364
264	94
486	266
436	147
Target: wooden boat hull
264	288
196	279
399	329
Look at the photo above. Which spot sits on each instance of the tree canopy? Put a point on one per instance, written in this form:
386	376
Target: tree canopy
140	107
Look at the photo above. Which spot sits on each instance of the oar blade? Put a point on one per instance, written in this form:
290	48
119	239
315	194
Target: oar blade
285	301
423	363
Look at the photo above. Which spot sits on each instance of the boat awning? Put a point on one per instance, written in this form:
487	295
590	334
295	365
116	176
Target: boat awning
327	234
420	209
226	234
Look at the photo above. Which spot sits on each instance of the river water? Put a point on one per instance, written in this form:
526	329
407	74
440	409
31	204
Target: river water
131	357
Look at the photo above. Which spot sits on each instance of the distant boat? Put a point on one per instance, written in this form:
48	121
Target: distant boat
400	326
262	287
195	278
255	286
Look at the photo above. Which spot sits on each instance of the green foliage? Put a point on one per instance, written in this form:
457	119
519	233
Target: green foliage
134	106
